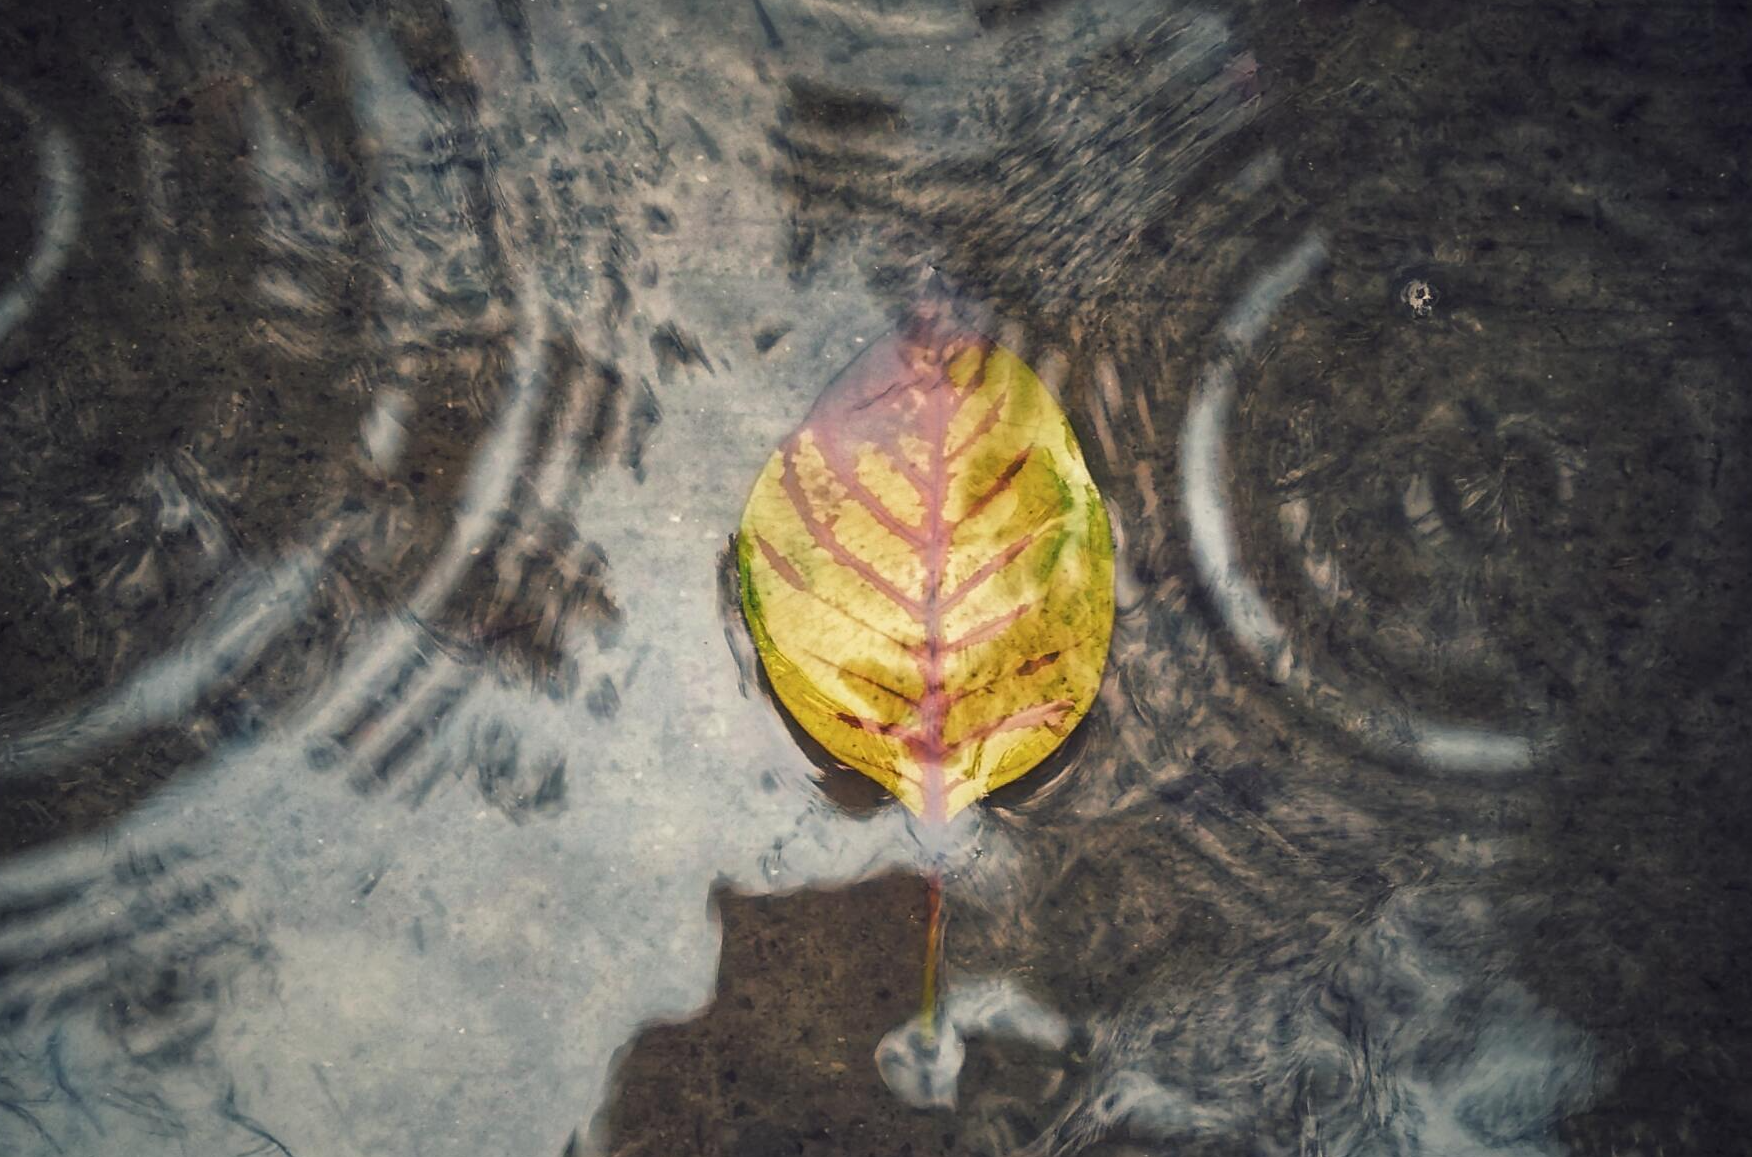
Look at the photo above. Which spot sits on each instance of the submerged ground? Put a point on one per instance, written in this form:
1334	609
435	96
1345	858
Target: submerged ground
386	769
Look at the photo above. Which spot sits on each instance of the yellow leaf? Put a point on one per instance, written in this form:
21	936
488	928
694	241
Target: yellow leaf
927	569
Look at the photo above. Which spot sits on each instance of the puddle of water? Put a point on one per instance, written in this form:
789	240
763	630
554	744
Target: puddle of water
387	768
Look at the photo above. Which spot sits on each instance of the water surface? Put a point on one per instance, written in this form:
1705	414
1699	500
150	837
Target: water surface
386	769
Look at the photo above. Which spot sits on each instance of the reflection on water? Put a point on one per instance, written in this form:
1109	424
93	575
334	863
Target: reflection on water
385	767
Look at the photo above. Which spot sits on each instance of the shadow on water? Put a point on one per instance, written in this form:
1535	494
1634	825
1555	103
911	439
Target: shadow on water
380	383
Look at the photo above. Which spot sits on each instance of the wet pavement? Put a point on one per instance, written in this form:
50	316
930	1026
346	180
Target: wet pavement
386	765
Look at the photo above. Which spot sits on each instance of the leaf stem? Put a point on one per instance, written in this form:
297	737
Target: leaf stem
932	1005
